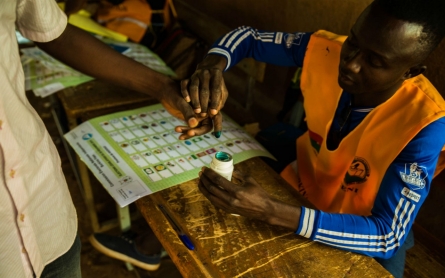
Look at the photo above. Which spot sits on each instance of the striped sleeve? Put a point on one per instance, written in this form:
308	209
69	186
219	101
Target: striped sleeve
307	220
371	235
402	192
284	49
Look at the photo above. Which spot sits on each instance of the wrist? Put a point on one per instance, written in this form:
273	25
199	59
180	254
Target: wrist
169	96
284	215
212	61
168	91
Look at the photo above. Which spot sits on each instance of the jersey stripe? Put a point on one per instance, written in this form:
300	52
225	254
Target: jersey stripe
228	34
308	222
221	42
352	242
367	249
222	52
358	236
239	41
233	37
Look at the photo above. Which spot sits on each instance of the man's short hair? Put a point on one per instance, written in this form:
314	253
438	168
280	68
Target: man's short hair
428	13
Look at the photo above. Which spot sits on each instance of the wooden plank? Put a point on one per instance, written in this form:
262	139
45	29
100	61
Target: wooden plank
428	240
422	261
232	246
97	95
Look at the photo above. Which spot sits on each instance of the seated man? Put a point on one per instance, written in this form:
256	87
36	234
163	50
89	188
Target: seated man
377	194
376	128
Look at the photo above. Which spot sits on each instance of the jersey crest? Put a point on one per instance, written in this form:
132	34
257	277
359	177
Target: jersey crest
414	175
293	39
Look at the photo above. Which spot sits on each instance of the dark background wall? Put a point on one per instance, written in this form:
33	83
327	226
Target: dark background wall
305	16
292	16
284	15
287	16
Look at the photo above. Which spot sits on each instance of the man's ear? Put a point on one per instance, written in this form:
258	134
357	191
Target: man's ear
414	71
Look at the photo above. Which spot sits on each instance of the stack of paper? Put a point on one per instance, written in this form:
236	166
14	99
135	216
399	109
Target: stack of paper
46	75
141	54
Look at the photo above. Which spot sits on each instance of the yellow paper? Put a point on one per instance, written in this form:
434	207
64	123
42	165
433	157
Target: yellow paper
82	20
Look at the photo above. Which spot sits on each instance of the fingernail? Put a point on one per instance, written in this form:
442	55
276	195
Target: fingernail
193	122
203	114
213	111
217	134
197	110
187	99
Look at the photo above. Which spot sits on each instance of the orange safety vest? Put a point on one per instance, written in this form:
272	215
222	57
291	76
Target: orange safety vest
132	17
347	179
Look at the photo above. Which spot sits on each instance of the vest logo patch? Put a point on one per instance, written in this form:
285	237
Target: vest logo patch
410	194
414	175
291	39
316	140
357	173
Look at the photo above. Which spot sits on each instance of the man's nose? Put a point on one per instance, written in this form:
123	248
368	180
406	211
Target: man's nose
352	61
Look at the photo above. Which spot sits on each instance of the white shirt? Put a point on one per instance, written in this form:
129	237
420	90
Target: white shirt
38	222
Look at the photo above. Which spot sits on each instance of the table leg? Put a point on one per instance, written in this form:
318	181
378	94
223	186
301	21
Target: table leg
88	195
124	217
125	223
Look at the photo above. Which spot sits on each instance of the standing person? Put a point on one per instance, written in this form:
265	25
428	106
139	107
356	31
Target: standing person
38	220
376	127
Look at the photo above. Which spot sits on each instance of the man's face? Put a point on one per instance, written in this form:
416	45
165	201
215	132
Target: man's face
378	53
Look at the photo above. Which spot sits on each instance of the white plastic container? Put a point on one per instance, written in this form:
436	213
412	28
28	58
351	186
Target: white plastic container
222	163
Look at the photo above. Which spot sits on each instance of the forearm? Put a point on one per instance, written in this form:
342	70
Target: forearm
270	47
213	61
379	235
87	54
369	235
284	215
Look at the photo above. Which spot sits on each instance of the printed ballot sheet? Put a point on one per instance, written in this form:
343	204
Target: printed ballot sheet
46	75
137	152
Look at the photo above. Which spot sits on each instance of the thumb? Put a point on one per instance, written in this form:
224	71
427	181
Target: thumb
188	113
181	111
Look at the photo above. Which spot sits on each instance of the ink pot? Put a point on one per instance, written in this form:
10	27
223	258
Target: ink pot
222	163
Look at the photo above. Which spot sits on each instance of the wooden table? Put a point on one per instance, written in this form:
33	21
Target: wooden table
234	246
226	245
84	102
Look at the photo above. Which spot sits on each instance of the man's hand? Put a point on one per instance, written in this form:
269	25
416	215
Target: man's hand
175	104
85	53
206	91
207	125
247	198
206	85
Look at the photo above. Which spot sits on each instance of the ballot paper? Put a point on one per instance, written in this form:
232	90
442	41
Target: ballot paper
46	75
137	152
